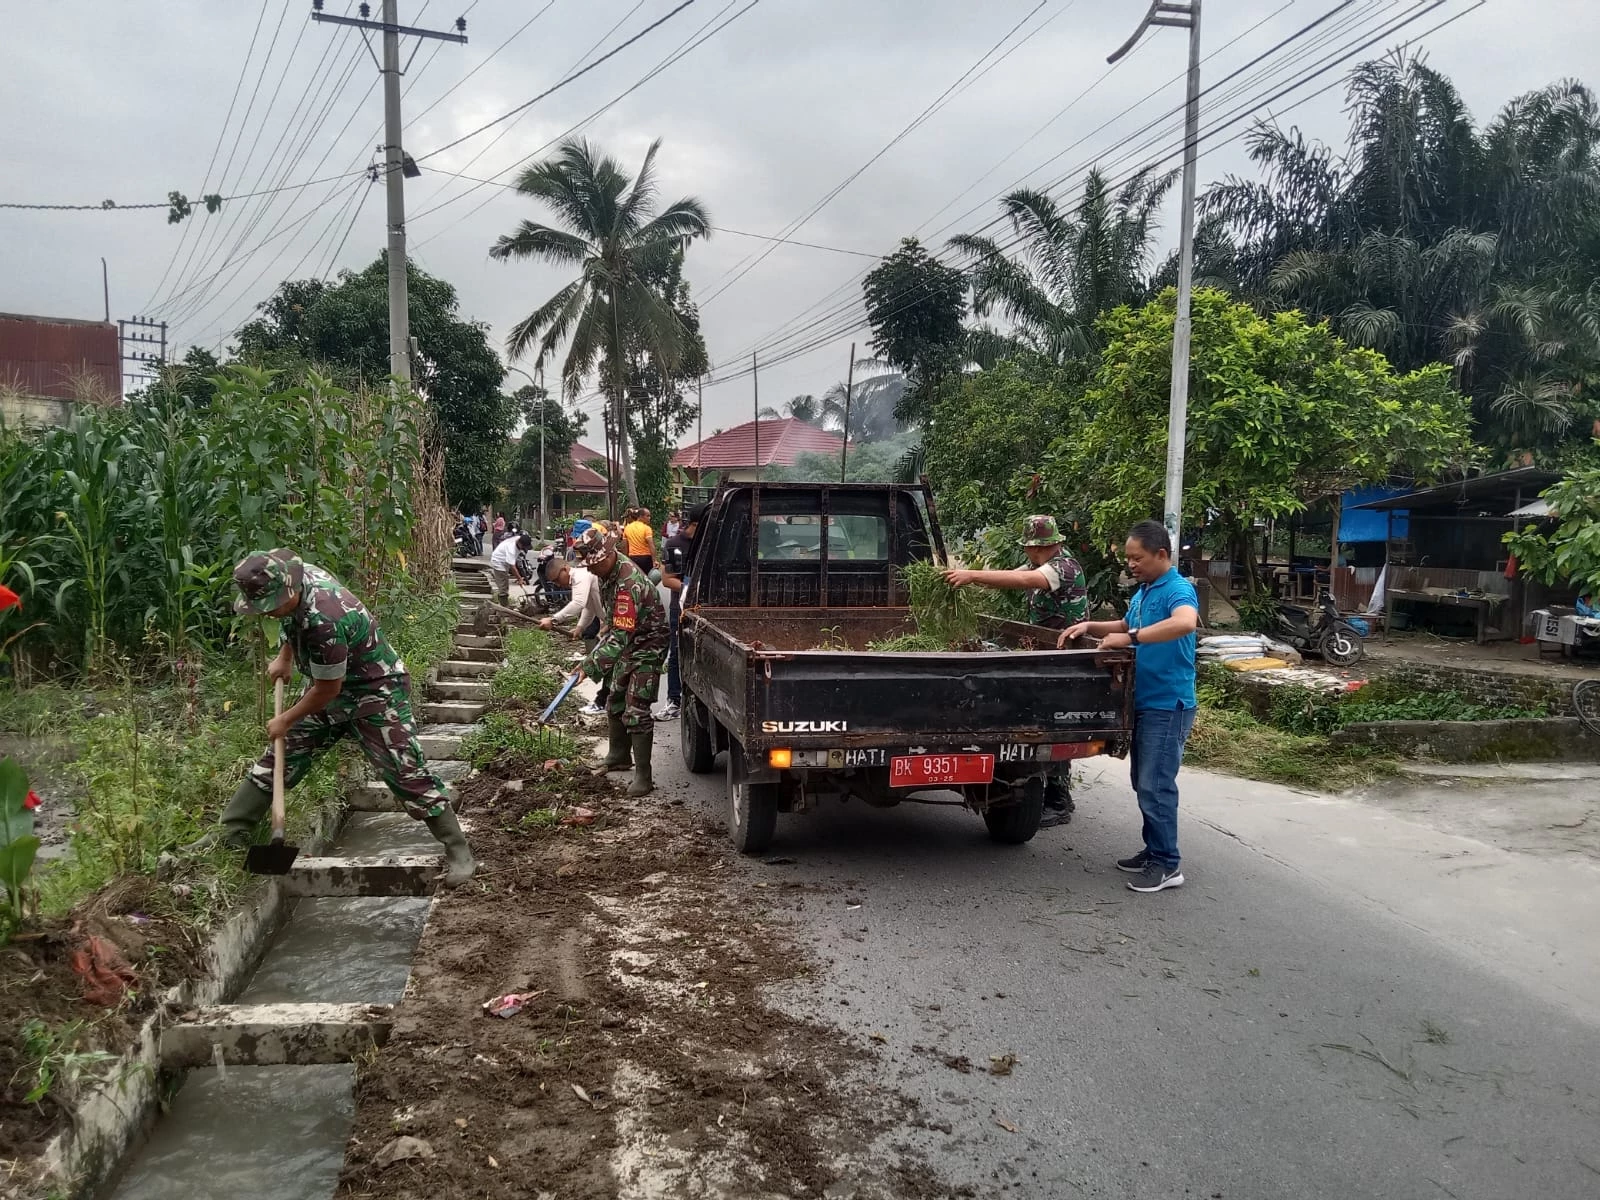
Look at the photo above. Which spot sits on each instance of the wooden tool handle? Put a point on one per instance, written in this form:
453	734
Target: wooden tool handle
277	767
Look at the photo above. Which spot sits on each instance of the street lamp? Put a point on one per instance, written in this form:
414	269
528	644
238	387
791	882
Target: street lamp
544	516
1180	16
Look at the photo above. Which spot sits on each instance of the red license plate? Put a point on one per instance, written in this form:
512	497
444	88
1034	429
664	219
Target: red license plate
931	770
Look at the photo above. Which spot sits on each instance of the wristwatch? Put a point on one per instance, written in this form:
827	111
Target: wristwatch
1133	637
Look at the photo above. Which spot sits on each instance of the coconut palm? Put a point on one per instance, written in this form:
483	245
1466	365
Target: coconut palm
621	245
1076	262
1432	241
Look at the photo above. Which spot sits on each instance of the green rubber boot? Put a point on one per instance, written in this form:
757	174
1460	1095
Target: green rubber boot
643	743
619	755
459	865
240	816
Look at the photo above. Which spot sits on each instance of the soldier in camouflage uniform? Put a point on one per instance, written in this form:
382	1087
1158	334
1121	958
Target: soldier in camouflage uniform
632	651
358	687
1058	597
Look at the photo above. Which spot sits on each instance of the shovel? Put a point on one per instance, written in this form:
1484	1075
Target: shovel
274	858
566	690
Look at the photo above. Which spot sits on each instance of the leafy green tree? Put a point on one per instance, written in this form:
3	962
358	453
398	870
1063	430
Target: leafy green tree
1283	416
874	462
915	305
343	328
1075	264
1435	241
1568	550
622	248
562	429
985	446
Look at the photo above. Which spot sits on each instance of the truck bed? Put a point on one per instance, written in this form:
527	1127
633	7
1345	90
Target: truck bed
770	678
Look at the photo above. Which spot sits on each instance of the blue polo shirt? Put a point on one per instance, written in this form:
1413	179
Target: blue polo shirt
1163	671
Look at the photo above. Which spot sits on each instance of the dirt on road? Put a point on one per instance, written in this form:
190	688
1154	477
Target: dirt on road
647	1058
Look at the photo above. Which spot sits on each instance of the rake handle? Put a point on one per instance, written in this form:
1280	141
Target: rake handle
278	744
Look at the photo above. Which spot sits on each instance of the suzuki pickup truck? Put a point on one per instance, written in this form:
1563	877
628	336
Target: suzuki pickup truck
790	586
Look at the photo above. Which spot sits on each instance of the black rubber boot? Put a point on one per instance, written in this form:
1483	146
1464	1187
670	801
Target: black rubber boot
458	861
619	755
643	743
240	816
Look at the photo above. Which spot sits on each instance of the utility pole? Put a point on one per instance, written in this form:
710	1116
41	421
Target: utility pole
755	384
397	165
700	426
849	386
1184	15
139	364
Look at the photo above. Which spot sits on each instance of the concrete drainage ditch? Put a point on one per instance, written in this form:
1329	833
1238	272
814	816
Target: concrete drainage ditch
260	1087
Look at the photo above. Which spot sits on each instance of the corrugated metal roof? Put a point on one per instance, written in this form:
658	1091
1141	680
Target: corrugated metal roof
1529	480
782	442
60	358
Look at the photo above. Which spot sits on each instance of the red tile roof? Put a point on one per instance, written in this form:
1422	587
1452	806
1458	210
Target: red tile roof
585	478
782	442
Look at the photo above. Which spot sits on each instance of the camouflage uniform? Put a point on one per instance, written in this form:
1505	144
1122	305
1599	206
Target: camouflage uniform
633	650
1066	602
335	637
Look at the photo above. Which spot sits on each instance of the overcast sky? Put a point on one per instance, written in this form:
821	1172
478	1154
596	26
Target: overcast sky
108	99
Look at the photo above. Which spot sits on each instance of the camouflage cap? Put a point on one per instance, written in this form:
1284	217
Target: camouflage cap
1040	531
593	543
265	580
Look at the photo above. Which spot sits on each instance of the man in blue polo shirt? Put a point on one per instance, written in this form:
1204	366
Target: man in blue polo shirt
1160	626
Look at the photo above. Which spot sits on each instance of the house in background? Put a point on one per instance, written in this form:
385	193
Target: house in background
48	365
585	488
737	454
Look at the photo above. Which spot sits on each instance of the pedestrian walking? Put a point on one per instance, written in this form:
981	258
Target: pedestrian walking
504	565
1161	622
1058	596
359	688
632	651
676	555
499	528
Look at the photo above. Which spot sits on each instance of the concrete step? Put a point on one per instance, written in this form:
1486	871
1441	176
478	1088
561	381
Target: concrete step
459	689
465	641
482	654
445	744
272	1035
388	875
451	711
456	668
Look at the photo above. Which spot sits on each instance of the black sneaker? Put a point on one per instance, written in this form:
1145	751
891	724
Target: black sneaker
1136	864
1054	816
1156	878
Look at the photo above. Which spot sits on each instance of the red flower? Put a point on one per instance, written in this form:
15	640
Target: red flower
32	801
8	598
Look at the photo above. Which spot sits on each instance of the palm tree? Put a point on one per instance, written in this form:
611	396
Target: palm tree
807	408
1076	263
621	246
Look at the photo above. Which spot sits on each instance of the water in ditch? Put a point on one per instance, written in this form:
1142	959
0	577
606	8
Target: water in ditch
279	1133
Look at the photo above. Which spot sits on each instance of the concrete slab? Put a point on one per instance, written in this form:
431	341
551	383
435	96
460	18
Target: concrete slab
452	710
405	875
1518	772
465	640
483	654
272	1035
439	746
450	768
463	669
459	689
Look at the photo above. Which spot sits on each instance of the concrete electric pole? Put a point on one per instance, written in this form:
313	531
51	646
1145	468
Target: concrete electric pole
1180	16
397	165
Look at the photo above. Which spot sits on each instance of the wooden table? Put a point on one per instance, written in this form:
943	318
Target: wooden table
1482	609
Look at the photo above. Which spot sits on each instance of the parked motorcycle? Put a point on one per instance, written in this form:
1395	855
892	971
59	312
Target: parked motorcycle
546	596
1323	632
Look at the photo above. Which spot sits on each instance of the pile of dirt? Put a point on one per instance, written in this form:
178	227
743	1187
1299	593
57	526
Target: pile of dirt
645	1059
74	990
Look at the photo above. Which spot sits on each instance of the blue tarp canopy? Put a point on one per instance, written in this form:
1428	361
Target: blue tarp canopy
1371	525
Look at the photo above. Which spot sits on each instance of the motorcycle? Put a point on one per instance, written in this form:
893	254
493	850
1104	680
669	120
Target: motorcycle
1324	632
546	596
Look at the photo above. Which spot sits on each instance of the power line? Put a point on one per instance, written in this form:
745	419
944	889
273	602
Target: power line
555	87
549	4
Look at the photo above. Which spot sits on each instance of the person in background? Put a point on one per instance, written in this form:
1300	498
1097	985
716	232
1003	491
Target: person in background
503	565
640	539
1160	626
1058	596
675	559
499	528
674	523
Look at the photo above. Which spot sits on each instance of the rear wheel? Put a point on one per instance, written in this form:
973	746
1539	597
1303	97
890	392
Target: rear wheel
694	737
1342	646
752	808
1016	823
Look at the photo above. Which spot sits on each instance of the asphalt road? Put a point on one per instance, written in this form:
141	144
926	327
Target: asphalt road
1344	1002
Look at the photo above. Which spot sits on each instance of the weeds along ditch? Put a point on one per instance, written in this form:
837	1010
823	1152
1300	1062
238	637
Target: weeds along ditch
132	699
